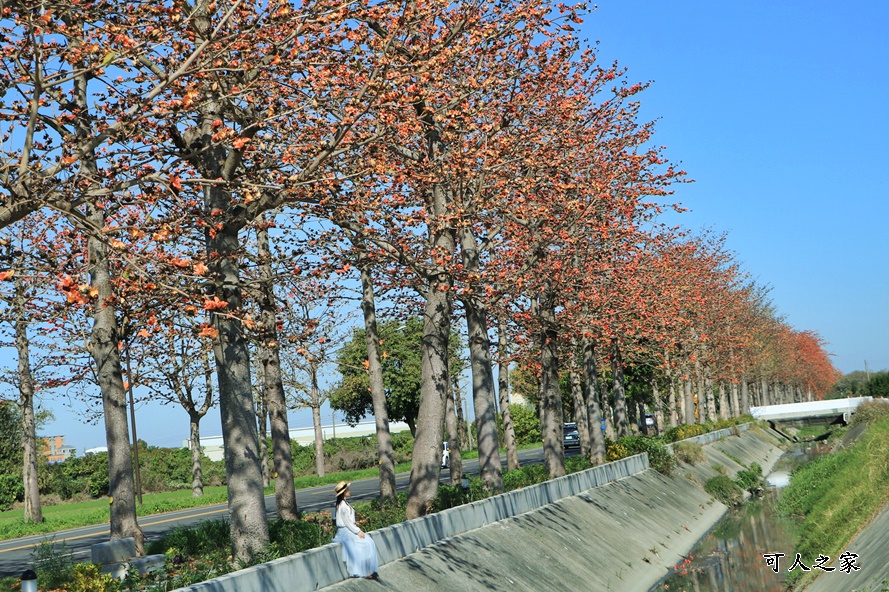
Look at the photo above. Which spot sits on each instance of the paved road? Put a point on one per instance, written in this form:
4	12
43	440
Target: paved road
15	554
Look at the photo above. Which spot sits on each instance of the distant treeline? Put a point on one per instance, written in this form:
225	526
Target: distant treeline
861	384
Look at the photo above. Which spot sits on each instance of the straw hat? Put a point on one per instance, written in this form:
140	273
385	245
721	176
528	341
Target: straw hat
341	487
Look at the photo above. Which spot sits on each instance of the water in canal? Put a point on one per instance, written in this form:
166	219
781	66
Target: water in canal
730	558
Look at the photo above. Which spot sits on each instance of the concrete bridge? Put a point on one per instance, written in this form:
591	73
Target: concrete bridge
812	413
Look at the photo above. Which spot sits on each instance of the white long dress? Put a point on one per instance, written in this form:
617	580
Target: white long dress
359	554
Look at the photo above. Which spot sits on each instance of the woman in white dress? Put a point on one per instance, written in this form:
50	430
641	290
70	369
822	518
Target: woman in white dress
359	550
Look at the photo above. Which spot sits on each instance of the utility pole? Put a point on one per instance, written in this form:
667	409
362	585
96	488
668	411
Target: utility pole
867	371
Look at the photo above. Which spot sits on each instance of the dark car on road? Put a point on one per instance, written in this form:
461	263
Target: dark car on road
570	438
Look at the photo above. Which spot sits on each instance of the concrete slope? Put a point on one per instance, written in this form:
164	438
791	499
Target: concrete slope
752	446
621	536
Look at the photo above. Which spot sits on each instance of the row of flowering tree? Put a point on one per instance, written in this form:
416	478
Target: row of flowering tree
201	167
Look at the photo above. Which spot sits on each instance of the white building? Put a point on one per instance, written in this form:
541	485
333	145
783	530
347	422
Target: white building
212	445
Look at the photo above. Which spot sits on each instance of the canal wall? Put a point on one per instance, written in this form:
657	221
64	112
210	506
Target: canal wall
621	526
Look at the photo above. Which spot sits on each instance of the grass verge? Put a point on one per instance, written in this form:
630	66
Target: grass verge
836	495
89	513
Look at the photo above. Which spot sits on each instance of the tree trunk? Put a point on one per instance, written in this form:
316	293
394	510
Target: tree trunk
607	412
462	430
246	500
671	404
619	392
272	382
106	355
435	372
482	373
689	403
195	415
745	395
426	463
262	417
385	453
456	462
580	407
711	398
597	438
512	454
767	396
104	339
734	399
197	471
483	396
33	510
658	407
551	420
320	468
703	398
724	410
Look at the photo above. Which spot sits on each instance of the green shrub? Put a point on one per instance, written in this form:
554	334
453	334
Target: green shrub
724	489
450	496
575	464
616	451
378	514
750	479
690	453
526	424
88	577
659	458
11	490
208	536
810	482
295	536
53	564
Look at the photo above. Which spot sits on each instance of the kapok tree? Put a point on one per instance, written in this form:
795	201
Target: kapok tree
26	277
433	119
279	98
585	194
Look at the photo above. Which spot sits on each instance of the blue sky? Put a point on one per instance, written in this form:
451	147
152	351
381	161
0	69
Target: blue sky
780	112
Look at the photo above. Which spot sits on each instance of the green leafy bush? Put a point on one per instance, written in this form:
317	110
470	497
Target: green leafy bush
11	490
88	577
750	479
525	423
210	535
295	536
450	496
810	482
53	564
659	458
378	514
575	464
725	490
